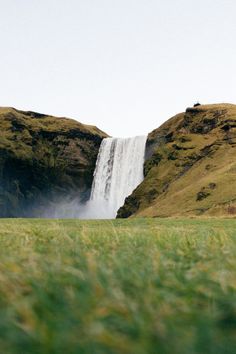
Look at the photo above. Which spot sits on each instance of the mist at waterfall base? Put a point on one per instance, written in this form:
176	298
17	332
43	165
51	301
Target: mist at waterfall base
119	170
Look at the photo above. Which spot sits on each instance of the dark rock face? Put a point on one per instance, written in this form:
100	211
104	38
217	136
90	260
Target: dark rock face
131	206
44	159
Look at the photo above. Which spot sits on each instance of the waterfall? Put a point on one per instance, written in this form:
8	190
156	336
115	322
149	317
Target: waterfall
119	170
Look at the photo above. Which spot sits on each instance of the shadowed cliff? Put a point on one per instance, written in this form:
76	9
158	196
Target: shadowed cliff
43	160
190	166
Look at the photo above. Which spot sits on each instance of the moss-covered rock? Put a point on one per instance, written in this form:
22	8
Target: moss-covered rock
44	159
190	166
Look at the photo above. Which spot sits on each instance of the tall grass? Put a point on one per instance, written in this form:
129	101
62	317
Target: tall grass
136	286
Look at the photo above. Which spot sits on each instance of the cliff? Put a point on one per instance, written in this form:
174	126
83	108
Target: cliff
190	167
44	159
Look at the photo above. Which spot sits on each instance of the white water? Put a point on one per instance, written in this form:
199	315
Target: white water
119	170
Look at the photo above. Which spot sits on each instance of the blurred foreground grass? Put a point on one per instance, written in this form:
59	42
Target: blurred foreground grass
123	286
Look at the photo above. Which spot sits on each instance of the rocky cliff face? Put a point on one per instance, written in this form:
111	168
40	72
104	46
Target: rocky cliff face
44	159
190	166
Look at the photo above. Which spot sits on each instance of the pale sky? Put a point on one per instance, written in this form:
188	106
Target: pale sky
123	65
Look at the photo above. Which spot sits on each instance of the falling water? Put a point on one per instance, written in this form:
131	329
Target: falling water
119	170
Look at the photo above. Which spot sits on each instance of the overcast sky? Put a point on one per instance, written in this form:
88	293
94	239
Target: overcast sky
123	65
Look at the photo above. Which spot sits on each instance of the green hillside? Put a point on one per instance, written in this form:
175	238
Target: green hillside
190	167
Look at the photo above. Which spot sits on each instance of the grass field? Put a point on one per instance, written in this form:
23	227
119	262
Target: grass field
125	286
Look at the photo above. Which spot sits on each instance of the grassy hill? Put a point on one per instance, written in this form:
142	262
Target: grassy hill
140	286
44	159
190	167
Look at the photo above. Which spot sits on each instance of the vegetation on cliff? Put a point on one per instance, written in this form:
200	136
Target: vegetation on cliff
43	159
190	166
